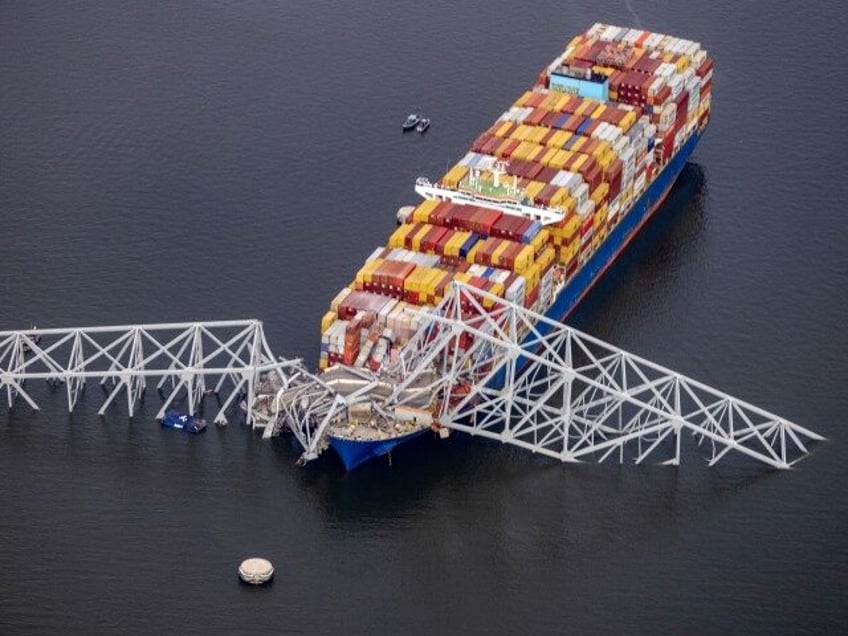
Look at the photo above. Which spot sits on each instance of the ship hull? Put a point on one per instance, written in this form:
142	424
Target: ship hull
354	452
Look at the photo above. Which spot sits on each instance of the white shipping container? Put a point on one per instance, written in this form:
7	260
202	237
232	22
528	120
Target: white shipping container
676	86
580	195
639	184
666	70
653	41
596	29
608	34
586	208
339	298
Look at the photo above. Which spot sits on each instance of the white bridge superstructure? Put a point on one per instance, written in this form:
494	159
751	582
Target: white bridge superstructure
514	376
504	373
192	359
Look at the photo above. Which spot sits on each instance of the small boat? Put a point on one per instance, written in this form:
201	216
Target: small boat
183	422
422	126
412	121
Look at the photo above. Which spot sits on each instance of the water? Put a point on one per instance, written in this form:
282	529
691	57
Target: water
240	159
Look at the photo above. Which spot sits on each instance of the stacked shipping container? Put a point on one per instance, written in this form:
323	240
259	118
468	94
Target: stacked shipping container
586	140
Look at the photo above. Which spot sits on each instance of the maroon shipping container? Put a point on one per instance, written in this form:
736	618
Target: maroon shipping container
360	301
549	120
440	215
407	240
490	146
535	117
481	141
441	244
507	150
546	194
485	219
432	238
682	102
533	170
705	68
613	177
661	97
505	226
461	217
573	123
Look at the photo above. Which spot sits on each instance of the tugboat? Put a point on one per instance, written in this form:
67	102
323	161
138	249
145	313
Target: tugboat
422	125
183	422
412	120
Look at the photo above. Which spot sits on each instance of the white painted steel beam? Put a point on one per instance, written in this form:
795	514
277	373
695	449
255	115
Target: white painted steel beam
184	359
509	374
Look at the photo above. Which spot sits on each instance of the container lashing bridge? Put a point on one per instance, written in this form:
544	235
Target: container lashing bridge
501	372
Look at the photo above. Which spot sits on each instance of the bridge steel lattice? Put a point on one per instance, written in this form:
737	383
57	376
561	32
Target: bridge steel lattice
507	373
536	383
189	359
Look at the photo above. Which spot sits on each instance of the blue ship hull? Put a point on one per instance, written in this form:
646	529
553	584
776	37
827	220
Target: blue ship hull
353	453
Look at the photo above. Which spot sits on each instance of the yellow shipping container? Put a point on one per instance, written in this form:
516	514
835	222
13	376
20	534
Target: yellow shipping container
570	226
425	207
524	259
526	97
328	319
521	132
682	64
547	257
598	218
398	236
416	238
498	253
500	151
562	200
545	159
366	273
454	176
596	114
533	188
453	245
627	121
538	134
600	193
559	159
559	139
503	129
578	144
539	241
473	251
536	153
581	159
568	252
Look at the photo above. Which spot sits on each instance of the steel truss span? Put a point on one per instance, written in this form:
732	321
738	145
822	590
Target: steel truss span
509	374
191	360
538	384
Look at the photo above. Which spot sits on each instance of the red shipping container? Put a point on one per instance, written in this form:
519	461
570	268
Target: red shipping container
682	102
705	68
549	121
535	117
490	146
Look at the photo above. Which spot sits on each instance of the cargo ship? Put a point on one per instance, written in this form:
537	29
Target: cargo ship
535	212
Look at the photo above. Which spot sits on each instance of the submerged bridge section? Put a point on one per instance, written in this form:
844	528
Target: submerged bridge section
509	374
